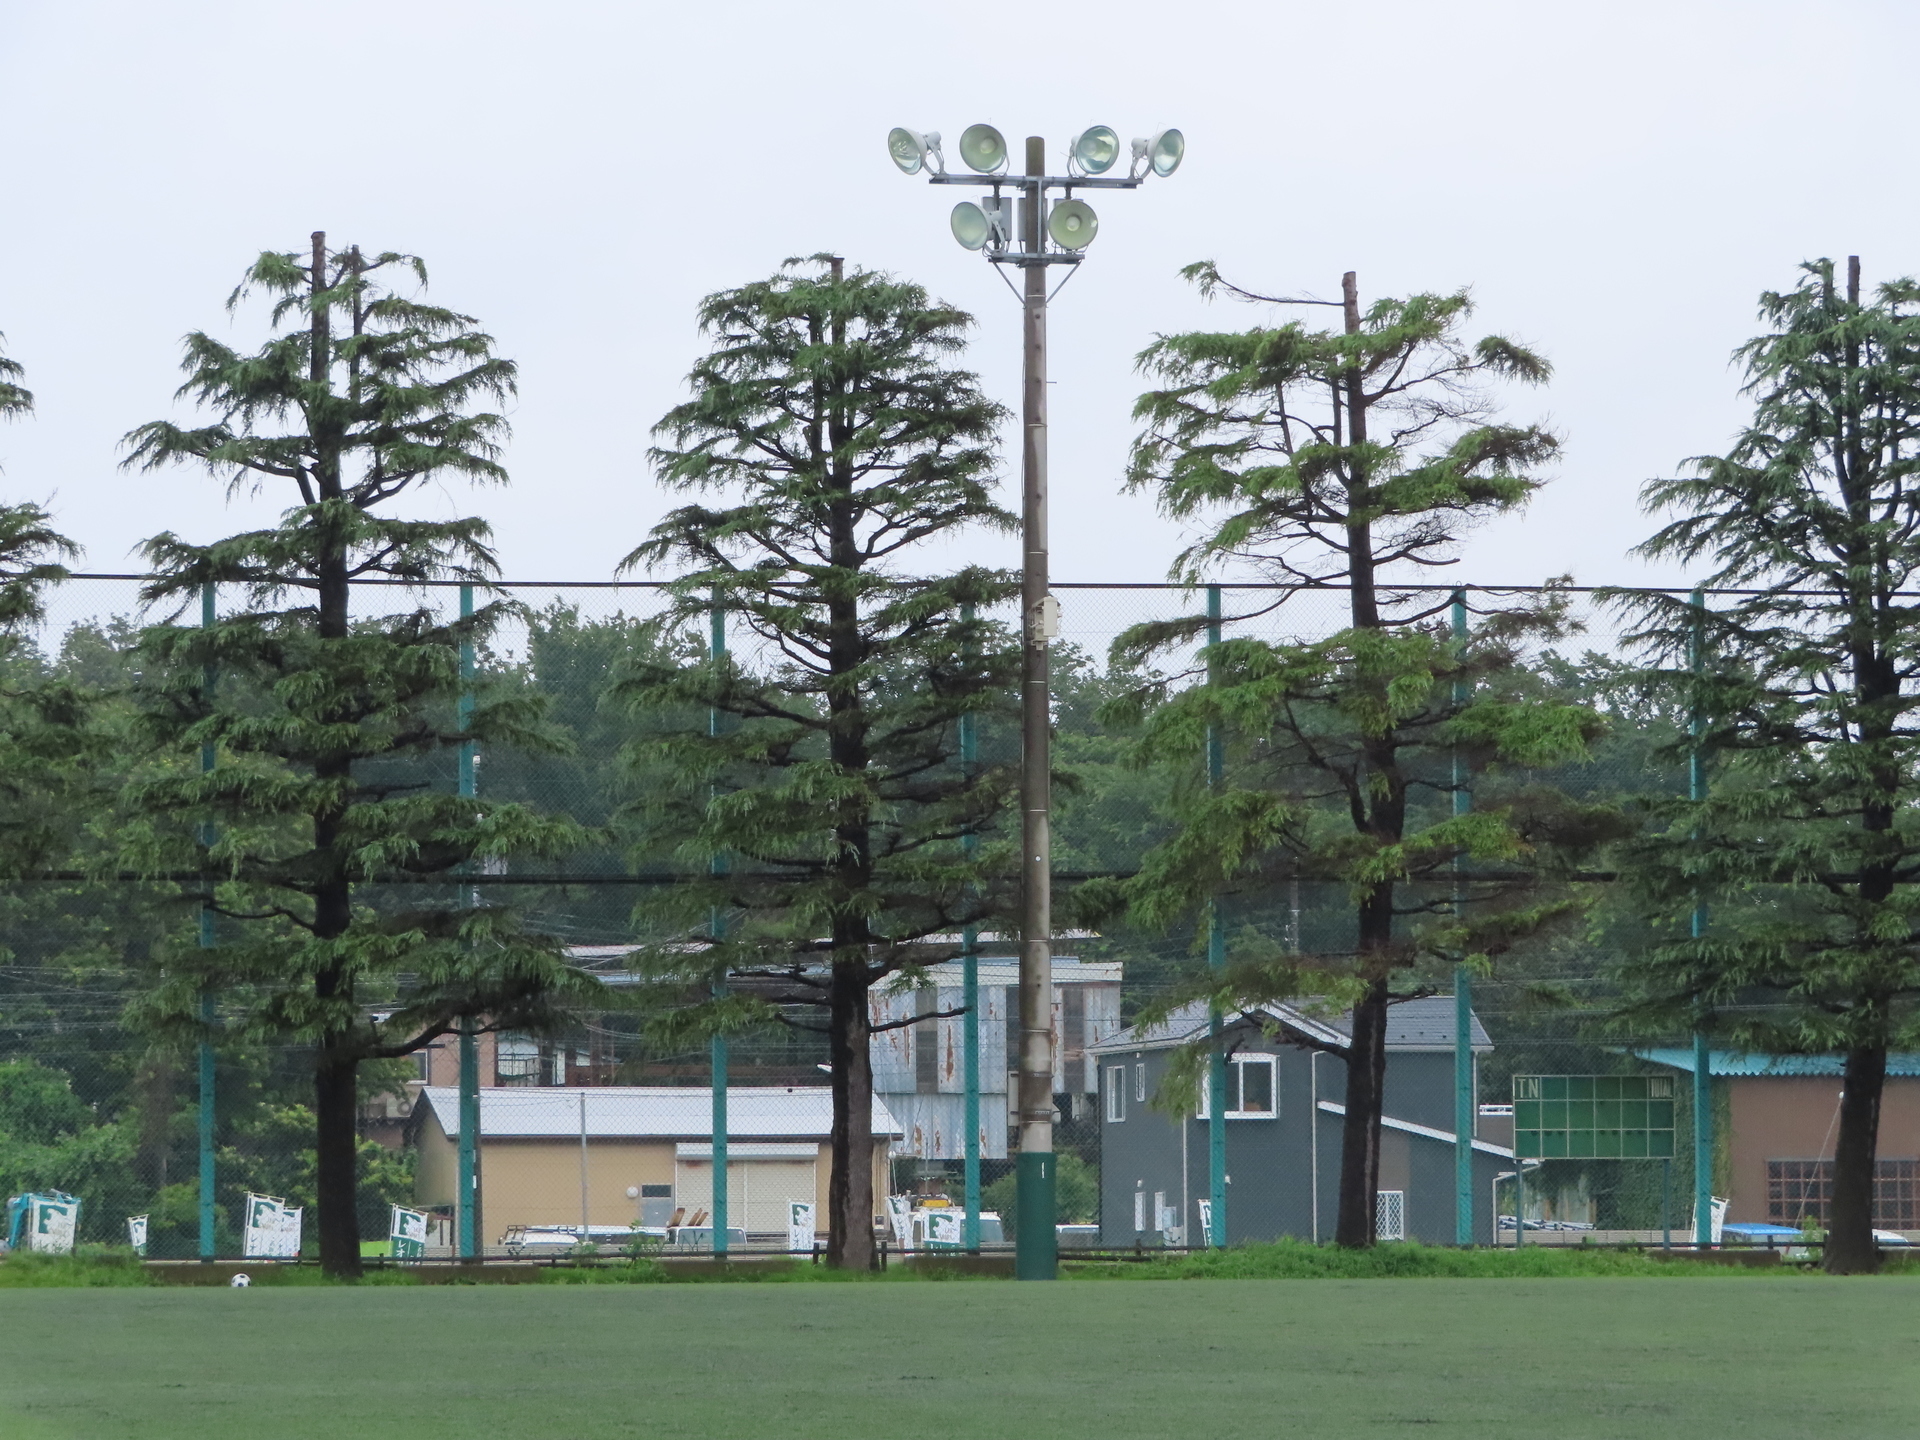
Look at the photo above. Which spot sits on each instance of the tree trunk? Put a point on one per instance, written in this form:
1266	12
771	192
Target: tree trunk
336	1145
1850	1249
850	1185
1360	1130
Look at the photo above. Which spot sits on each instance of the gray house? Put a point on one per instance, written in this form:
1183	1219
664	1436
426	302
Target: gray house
1285	1082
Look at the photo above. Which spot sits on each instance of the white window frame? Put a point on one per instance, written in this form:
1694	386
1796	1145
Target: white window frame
1140	1083
1270	1062
1116	1094
1139	1212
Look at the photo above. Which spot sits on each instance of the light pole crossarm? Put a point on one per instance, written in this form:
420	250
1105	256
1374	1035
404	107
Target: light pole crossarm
1045	182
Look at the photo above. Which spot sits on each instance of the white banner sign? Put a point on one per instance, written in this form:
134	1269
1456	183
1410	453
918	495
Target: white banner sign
137	1233
946	1230
801	1233
900	1211
51	1221
1205	1207
408	1234
272	1229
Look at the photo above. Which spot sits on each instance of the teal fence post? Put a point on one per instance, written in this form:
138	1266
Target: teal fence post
1216	962
207	1068
970	1005
718	1045
1702	1079
467	1182
1464	1095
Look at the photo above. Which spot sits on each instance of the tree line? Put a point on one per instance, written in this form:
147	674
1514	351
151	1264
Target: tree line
815	734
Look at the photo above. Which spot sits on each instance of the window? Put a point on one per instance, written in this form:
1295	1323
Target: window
1799	1192
1116	1093
1139	1211
516	1060
1140	1082
1389	1214
1253	1091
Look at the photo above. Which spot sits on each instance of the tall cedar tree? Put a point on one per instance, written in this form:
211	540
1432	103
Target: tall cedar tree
323	723
817	789
1338	459
44	739
1807	711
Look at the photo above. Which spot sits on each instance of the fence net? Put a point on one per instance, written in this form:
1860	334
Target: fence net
598	1134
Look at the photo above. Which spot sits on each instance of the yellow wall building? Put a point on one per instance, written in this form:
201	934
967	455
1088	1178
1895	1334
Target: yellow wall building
611	1155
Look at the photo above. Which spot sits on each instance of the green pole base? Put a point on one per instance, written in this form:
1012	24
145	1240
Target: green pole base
1036	1244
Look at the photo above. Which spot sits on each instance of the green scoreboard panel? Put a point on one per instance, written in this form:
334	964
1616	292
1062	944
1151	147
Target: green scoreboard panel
1593	1117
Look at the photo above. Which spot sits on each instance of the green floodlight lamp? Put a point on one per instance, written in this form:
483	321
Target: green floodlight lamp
1072	224
912	151
971	226
983	149
1094	149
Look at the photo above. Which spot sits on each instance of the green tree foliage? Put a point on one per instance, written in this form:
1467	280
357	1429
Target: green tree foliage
44	740
322	722
1807	708
822	762
1342	461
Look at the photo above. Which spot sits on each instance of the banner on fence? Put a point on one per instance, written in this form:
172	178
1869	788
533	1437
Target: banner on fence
137	1233
1205	1207
407	1235
900	1212
272	1229
800	1225
945	1230
44	1223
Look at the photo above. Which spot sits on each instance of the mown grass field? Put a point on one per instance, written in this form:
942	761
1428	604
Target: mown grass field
1735	1358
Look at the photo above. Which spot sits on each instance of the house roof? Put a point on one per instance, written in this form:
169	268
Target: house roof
616	1112
1743	1063
1423	1024
1427	1132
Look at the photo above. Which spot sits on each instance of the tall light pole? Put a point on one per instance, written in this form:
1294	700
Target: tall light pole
1039	236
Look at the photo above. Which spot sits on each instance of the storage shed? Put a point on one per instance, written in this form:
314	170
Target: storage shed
627	1153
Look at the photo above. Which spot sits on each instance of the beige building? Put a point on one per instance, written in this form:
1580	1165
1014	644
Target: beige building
617	1155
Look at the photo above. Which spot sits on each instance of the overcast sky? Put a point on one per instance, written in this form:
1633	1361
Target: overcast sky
1615	182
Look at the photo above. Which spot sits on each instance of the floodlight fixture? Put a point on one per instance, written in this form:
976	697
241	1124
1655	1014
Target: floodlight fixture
984	149
911	150
1072	224
1094	149
1163	153
971	226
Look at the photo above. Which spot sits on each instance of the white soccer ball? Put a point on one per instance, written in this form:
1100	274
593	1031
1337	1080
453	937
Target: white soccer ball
240	1282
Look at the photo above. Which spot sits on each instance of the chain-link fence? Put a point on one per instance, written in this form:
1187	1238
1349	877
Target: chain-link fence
597	1133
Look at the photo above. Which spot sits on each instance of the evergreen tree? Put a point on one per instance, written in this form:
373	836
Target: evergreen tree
1338	462
322	721
1807	713
42	719
815	778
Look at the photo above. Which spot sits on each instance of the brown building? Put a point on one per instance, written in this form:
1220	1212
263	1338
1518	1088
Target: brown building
1779	1115
632	1154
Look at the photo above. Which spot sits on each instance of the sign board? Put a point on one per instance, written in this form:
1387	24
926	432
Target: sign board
1593	1117
946	1230
900	1212
271	1230
44	1223
800	1225
407	1235
137	1233
1205	1207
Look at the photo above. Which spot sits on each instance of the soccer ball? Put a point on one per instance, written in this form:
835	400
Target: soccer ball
240	1282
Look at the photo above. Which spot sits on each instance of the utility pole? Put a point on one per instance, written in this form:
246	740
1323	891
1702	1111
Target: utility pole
1036	1241
1464	1096
208	758
1216	962
1071	225
467	1199
1702	1054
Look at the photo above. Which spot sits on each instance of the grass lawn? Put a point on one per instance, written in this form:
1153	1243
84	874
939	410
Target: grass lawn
1710	1359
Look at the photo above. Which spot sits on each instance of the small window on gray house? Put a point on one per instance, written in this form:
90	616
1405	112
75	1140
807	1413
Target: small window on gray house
1139	1211
1140	1082
1252	1089
1116	1093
